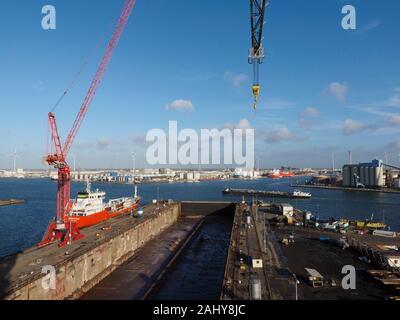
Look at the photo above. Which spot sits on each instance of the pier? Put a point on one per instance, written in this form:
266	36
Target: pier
263	193
11	202
320	186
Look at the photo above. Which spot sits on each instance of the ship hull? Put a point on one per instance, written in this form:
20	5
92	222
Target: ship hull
101	216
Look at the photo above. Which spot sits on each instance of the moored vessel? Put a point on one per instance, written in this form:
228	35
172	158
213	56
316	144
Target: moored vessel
90	207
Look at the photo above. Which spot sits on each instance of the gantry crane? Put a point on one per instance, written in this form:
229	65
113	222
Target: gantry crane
63	226
256	52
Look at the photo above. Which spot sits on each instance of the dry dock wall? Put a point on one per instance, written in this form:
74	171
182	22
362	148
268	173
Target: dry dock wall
207	208
78	275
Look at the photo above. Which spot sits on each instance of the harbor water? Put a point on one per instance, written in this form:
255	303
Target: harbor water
22	226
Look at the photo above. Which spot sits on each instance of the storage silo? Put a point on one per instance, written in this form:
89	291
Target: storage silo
380	179
372	176
354	172
347	181
367	177
362	175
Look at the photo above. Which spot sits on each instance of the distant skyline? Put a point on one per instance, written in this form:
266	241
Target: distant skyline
323	89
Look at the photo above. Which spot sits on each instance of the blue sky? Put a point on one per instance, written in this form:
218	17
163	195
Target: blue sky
324	89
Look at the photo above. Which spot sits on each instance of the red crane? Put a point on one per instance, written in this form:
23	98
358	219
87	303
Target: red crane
63	227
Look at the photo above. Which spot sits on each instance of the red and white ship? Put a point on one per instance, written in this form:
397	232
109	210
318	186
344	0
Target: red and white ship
90	207
277	174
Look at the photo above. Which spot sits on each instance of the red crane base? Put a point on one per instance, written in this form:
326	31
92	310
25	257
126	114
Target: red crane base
66	236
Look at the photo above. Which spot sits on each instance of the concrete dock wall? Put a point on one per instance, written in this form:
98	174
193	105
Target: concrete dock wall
76	276
207	208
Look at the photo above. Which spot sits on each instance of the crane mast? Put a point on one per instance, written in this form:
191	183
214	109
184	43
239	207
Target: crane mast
63	227
256	52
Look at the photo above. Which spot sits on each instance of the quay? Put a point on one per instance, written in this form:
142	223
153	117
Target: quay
11	202
267	259
320	186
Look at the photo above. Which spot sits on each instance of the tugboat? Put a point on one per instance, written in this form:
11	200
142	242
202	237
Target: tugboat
90	207
301	195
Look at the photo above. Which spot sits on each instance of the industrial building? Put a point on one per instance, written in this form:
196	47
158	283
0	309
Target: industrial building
362	175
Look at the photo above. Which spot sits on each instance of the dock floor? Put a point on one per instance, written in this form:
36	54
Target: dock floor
133	279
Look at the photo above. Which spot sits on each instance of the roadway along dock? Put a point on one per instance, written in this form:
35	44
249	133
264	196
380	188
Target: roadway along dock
254	269
11	202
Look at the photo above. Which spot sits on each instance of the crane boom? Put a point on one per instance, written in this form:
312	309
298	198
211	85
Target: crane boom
129	4
256	52
63	228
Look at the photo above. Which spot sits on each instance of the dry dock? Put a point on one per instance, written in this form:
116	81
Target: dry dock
83	264
131	260
137	277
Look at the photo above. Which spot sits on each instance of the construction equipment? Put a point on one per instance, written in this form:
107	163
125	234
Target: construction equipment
63	227
256	52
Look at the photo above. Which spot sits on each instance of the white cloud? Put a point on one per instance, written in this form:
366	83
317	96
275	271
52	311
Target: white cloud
103	143
338	90
279	135
243	124
311	112
394	101
394	120
369	26
236	79
309	118
394	145
279	104
351	126
180	105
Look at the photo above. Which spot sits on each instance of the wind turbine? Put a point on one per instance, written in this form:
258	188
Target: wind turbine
15	156
74	160
133	165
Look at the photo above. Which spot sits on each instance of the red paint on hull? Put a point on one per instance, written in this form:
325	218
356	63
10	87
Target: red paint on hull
95	218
